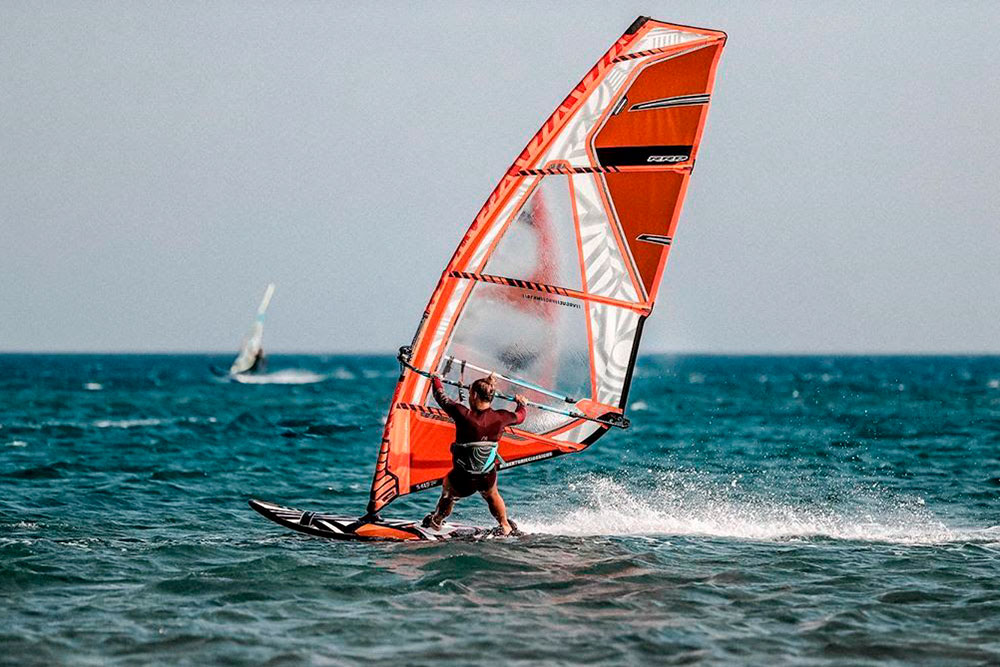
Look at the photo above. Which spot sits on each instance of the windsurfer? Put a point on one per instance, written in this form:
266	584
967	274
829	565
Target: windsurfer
259	362
474	452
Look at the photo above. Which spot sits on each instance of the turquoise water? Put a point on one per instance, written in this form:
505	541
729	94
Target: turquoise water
759	510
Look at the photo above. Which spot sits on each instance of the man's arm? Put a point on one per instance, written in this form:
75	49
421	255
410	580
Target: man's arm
519	414
449	406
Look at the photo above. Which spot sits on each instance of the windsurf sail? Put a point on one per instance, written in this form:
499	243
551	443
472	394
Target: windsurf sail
252	343
550	286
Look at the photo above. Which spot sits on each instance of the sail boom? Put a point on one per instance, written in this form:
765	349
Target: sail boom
612	418
512	380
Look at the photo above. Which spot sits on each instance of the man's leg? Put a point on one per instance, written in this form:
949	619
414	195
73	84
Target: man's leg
445	504
497	508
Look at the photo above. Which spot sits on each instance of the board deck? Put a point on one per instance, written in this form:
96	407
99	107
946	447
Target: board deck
362	529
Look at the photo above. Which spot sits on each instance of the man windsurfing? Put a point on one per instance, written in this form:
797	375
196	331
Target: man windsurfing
259	363
474	452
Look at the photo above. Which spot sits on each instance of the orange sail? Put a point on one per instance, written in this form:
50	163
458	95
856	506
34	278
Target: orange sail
551	285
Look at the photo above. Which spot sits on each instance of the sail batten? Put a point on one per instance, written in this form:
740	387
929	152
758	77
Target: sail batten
550	289
555	277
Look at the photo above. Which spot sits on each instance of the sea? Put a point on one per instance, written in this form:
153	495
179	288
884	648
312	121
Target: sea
760	510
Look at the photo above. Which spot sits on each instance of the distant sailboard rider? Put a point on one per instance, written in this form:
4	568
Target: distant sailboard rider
259	364
474	452
251	358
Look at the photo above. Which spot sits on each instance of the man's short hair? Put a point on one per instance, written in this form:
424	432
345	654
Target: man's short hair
482	390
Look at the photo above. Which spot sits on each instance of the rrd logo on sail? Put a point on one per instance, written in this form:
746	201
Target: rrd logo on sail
667	158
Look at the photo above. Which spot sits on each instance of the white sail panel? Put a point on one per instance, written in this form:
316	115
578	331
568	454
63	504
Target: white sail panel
660	38
604	261
571	144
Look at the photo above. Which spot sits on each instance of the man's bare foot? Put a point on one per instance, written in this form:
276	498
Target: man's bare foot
431	521
505	529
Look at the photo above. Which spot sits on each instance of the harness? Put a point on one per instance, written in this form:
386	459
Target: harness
475	458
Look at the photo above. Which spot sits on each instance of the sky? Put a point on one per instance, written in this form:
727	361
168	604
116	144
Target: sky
161	162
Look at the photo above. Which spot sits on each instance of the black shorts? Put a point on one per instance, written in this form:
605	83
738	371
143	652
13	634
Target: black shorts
465	484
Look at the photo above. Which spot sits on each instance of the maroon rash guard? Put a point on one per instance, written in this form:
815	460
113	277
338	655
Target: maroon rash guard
474	426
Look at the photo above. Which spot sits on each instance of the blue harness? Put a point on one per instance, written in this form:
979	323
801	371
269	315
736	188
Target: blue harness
475	458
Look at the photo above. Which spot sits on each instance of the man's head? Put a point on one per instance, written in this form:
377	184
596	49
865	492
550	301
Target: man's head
481	392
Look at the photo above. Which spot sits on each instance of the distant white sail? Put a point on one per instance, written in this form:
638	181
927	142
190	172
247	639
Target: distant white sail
252	343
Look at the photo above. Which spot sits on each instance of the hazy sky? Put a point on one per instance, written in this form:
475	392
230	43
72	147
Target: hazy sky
161	162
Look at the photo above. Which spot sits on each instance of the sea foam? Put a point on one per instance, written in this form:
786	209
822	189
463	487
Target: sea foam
683	506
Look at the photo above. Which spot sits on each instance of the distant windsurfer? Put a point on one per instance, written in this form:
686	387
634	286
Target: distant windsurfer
474	452
259	364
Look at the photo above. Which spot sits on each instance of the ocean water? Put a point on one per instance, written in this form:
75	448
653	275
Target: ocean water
761	510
